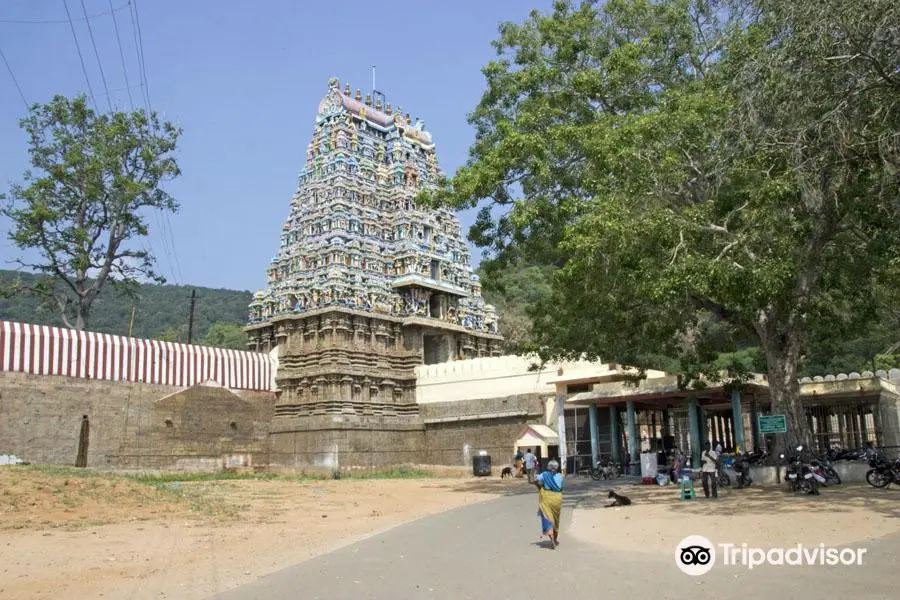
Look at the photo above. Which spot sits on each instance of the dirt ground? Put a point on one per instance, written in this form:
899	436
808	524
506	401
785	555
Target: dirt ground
760	517
77	534
70	533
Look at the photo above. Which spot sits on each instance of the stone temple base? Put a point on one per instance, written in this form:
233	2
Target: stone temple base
332	442
348	385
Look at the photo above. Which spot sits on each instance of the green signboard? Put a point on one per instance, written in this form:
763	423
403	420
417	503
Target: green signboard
772	424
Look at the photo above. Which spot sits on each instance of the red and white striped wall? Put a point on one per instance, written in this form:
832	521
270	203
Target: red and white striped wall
42	350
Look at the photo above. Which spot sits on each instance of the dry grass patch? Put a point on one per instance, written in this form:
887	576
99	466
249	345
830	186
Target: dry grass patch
45	497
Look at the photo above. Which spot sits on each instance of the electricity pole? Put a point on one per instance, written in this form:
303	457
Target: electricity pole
131	323
191	318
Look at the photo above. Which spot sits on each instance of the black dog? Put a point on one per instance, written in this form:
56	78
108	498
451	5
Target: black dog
506	472
618	500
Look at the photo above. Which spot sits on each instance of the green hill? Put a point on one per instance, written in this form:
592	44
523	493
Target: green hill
161	312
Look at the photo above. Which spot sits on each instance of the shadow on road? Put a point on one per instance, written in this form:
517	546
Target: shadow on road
584	493
754	500
578	489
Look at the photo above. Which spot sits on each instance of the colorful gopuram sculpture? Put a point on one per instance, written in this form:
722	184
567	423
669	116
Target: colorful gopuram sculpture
366	284
355	237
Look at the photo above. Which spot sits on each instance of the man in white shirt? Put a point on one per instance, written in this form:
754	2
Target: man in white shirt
530	461
709	465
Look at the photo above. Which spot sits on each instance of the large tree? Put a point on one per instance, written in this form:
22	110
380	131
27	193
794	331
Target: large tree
226	335
705	173
81	209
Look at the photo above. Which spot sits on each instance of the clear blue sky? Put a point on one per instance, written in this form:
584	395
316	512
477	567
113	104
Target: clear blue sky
244	80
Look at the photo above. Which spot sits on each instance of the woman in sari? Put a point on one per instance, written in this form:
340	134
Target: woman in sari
550	485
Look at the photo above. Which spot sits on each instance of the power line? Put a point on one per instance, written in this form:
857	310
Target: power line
97	56
121	54
80	55
60	22
14	80
168	238
165	239
172	244
122	89
139	44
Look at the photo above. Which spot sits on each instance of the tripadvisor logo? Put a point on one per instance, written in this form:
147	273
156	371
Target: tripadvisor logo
695	555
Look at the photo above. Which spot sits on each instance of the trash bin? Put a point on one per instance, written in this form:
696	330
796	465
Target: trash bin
481	466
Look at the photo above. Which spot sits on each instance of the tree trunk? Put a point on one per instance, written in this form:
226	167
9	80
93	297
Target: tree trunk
782	357
82	307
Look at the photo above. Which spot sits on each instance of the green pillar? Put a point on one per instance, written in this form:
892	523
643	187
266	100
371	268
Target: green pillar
736	410
633	448
704	429
595	433
614	435
694	425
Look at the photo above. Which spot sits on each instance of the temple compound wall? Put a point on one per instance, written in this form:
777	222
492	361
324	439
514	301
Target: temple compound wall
105	401
141	426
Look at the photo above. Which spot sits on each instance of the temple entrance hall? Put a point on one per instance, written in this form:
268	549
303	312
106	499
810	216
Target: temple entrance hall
620	422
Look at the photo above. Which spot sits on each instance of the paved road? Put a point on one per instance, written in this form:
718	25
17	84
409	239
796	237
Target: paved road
492	551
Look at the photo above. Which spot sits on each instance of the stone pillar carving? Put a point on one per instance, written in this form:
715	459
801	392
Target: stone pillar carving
381	337
280	334
303	395
374	399
342	331
387	396
358	332
319	394
347	395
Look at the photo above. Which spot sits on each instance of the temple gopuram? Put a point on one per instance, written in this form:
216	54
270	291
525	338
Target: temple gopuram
366	285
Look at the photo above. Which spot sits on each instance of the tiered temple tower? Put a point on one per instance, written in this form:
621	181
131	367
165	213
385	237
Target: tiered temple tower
365	286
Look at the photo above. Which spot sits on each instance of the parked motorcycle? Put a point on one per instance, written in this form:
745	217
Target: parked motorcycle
800	476
883	472
604	471
723	477
822	467
742	464
835	454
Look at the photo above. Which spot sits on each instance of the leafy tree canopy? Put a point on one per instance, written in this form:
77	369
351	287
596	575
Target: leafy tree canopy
226	335
707	175
81	204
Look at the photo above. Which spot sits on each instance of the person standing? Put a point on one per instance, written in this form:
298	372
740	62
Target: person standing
520	463
530	460
709	466
550	487
677	465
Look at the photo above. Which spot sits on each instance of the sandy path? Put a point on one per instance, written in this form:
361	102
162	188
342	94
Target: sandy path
278	523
